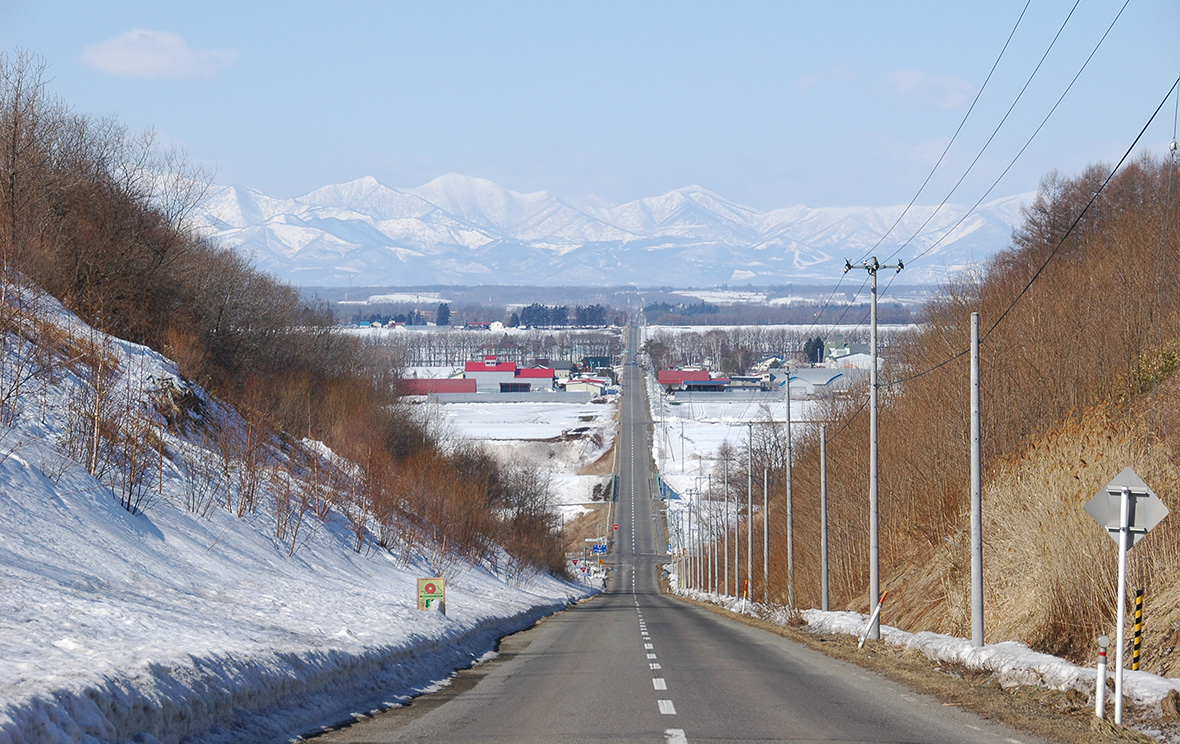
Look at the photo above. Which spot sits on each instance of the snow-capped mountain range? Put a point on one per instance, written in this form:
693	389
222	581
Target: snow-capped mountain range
461	230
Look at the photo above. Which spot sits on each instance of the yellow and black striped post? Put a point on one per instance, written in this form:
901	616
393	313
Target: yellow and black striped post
1138	642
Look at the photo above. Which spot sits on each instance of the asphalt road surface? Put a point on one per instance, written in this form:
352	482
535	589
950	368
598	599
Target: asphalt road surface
634	665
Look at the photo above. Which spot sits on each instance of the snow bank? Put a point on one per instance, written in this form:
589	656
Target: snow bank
1011	663
258	695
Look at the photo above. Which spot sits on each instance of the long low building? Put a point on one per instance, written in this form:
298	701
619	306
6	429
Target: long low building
415	386
490	376
494	376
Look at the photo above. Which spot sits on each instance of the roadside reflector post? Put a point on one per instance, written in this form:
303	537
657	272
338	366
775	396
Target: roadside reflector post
873	622
1100	680
1137	644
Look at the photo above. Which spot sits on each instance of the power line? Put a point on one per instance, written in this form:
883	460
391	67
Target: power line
1085	209
995	64
1077	220
1028	142
954	136
995	131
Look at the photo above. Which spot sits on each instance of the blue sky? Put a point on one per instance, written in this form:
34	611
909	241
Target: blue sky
769	104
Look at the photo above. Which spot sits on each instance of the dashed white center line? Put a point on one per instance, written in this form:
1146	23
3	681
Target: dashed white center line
652	656
648	646
659	684
666	707
655	666
675	736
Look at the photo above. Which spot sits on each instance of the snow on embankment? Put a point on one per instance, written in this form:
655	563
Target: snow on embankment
187	621
1012	663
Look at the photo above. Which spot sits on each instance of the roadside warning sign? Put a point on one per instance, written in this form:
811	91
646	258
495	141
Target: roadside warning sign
432	594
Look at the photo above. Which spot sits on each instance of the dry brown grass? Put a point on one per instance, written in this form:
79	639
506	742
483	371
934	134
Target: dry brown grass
1049	570
584	526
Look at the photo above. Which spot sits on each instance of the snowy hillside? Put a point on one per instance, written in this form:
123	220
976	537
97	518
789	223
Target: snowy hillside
192	615
458	230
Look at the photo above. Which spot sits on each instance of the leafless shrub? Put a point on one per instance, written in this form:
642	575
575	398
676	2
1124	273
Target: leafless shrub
203	480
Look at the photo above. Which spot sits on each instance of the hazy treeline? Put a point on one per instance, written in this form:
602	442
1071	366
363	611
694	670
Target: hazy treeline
453	348
734	350
803	313
96	216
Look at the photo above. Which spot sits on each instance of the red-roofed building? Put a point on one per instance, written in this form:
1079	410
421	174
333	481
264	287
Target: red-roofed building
592	385
535	378
493	376
490	374
428	387
711	385
497	367
675	379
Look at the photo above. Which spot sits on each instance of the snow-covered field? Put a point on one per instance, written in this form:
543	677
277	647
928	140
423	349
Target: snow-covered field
651	331
197	625
754	297
414	297
690	430
561	438
522	421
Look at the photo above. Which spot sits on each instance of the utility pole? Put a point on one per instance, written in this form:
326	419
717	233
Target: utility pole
725	531
872	266
713	538
737	546
790	507
765	536
749	507
976	494
823	516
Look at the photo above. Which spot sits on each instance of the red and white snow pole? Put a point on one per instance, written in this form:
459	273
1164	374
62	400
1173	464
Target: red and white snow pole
1100	686
872	619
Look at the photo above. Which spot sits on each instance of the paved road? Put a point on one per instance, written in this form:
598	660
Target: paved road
634	665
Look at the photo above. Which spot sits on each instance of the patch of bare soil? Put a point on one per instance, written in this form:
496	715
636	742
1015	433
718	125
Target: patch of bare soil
604	465
1066	717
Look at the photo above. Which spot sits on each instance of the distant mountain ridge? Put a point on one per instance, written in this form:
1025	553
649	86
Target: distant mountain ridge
463	230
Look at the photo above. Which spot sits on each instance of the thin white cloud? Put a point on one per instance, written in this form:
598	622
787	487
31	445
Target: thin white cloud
836	72
155	55
923	88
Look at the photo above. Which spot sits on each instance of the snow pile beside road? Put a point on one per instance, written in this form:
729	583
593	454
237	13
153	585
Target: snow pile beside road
1011	663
